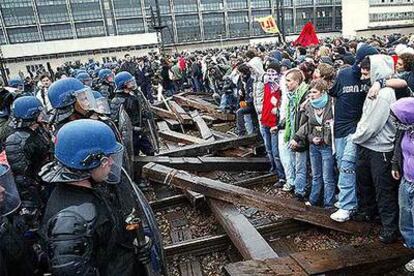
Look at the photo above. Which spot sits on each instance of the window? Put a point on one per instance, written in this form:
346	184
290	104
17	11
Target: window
238	24
288	20
53	13
86	9
167	33
302	17
214	26
338	19
236	4
391	16
127	8
19	12
130	26
211	5
2	38
287	3
260	3
21	35
90	29
323	2
57	32
188	28
304	2
185	6
324	19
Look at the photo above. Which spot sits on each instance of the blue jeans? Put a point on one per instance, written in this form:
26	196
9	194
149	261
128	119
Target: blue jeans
406	202
287	162
323	175
298	166
197	85
346	156
228	101
272	148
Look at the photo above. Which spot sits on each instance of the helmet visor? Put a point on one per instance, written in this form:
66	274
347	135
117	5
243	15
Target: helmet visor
9	196
86	100
131	84
116	160
102	106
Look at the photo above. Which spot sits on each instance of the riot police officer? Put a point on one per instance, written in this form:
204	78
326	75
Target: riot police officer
106	83
27	149
71	101
84	78
83	227
13	251
129	98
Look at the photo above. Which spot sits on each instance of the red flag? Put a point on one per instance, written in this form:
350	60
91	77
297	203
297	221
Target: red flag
307	36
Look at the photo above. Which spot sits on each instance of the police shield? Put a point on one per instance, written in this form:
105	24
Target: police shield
126	130
9	196
150	122
158	260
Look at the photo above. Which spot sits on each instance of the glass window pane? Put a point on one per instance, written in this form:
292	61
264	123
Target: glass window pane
214	26
130	26
21	35
188	28
238	24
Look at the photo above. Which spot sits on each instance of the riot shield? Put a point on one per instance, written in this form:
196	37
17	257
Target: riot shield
158	260
126	130
149	122
9	195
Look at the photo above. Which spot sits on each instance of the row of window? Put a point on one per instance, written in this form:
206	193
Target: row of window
391	16
390	2
188	26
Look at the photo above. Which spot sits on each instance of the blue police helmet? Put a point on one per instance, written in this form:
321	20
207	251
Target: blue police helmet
81	144
26	108
15	82
122	78
104	73
61	92
83	77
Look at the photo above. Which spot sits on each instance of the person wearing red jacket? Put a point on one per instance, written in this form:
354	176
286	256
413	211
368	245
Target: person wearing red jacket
269	119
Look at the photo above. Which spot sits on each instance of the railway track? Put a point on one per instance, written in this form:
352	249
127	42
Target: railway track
248	227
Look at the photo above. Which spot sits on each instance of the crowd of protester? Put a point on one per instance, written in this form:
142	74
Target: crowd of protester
337	119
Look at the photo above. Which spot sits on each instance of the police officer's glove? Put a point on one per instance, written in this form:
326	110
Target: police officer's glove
144	252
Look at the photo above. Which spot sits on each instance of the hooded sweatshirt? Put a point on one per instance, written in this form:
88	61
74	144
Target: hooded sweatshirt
375	130
350	92
404	111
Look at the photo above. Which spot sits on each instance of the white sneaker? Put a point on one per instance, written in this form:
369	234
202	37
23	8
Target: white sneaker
287	187
341	215
409	266
337	205
307	203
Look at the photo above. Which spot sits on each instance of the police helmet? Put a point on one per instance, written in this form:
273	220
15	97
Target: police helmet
62	92
85	78
122	78
104	73
16	82
82	145
26	108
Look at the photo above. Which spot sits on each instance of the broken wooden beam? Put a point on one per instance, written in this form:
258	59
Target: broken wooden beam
372	259
180	113
205	106
162	113
242	233
206	148
165	132
206	164
202	127
256	181
233	194
283	227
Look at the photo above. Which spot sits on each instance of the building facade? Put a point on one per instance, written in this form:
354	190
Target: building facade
367	17
34	22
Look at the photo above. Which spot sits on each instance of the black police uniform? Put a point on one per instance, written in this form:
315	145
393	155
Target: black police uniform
27	151
85	233
139	113
106	89
14	258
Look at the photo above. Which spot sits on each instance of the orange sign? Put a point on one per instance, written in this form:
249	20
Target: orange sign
268	24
